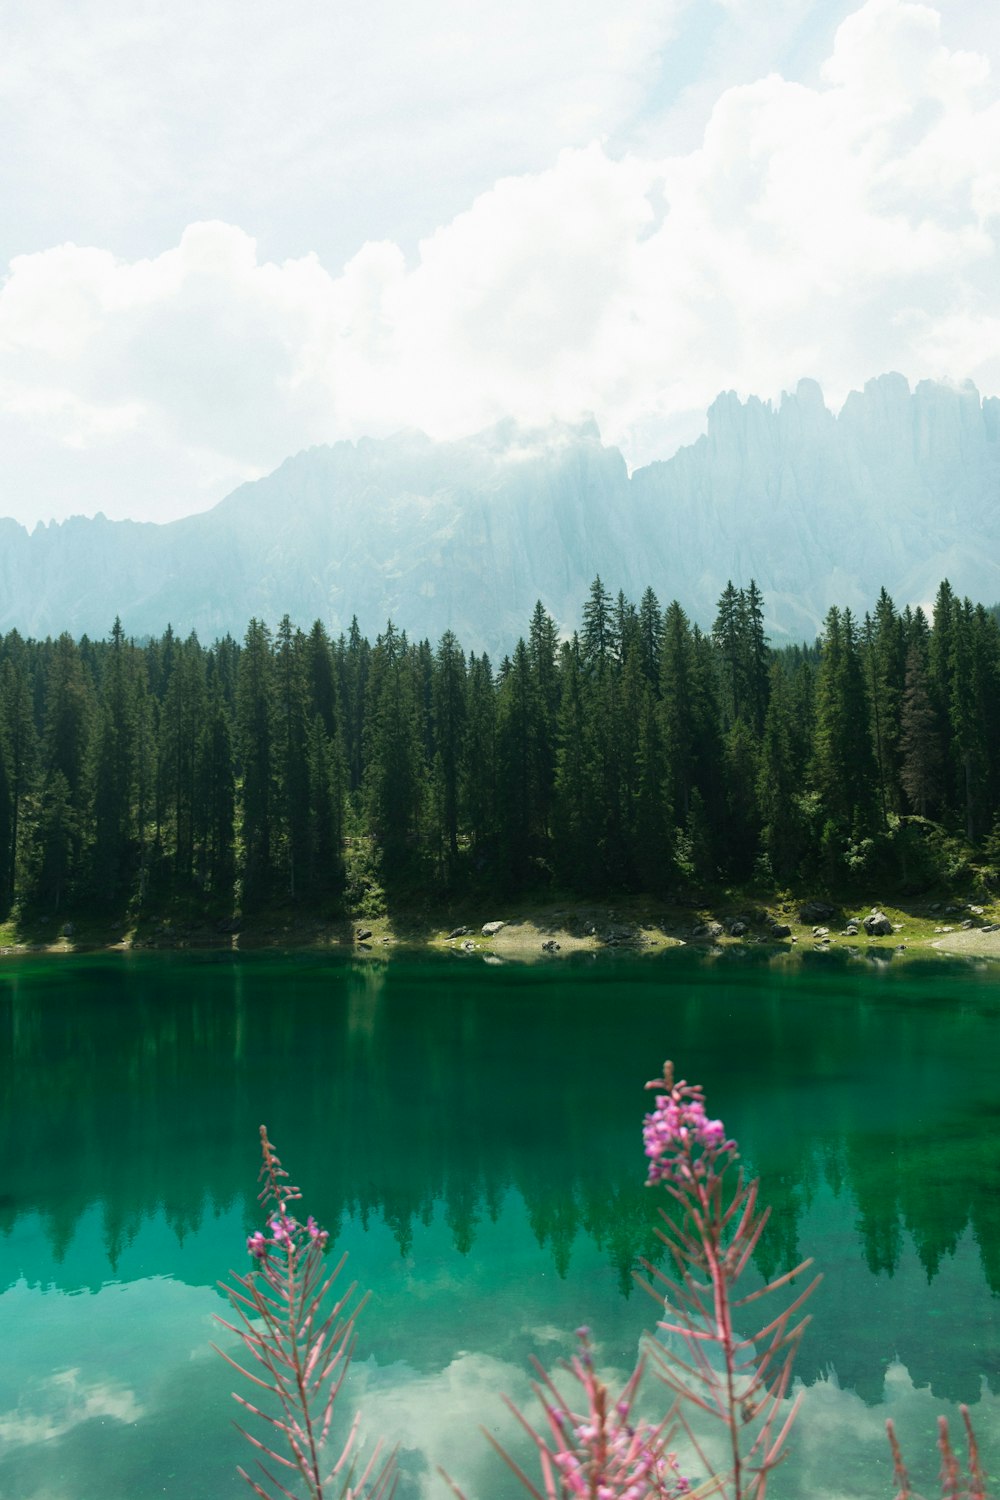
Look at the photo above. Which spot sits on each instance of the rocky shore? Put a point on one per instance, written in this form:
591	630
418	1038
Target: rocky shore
547	931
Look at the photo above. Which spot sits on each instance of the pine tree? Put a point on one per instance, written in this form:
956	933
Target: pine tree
57	841
652	814
518	782
478	764
574	822
597	638
677	692
182	716
322	678
543	651
354	657
743	820
6	863
885	655
757	659
727	635
114	774
449	710
920	738
779	781
254	741
65	761
625	629
941	669
20	744
395	771
973	709
843	759
326	810
215	802
650	637
291	761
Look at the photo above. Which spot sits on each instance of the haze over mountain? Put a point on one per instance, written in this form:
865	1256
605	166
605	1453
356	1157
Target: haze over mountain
901	489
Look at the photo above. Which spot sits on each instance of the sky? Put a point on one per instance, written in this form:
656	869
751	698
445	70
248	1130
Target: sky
229	232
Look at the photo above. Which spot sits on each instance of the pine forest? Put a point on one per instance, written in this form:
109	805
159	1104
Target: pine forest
641	754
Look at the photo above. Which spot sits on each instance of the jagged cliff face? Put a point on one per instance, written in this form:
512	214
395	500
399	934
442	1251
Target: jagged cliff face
900	489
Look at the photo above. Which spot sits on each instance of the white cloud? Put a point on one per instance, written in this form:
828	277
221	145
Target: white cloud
53	1406
131	119
837	1447
834	229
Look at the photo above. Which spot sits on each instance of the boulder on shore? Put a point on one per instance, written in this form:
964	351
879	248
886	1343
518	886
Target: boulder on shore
815	911
490	929
877	924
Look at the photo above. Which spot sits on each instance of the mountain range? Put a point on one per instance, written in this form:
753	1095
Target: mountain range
900	488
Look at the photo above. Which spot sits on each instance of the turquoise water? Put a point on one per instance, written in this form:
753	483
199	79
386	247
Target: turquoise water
471	1135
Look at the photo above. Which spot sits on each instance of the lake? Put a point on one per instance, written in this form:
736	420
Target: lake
471	1134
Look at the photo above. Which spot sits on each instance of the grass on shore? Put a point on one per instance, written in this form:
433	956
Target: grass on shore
648	923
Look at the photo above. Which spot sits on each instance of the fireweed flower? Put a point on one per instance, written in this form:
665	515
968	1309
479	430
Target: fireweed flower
316	1234
682	1144
288	1235
298	1335
601	1454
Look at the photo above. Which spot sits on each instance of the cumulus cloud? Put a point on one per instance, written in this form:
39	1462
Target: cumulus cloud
130	118
834	229
838	1447
51	1407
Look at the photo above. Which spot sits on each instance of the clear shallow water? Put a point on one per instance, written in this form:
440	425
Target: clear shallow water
472	1137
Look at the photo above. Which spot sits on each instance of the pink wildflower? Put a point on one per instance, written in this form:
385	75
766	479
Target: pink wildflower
601	1454
316	1234
257	1245
681	1142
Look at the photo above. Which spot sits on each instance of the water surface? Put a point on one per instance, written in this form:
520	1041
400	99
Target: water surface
471	1135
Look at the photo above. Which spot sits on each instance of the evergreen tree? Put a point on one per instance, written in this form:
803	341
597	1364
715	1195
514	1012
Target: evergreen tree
625	628
920	738
518	779
182	716
114	775
973	709
449	709
65	759
291	758
885	653
727	635
598	637
650	637
677	690
779	781
57	841
543	651
575	831
652	814
216	798
394	762
941	669
757	658
354	658
254	741
322	678
843	760
6	862
478	765
743	820
326	810
19	741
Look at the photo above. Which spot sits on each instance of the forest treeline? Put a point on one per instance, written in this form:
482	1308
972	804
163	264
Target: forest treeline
640	754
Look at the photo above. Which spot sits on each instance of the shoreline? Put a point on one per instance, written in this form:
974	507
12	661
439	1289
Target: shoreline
532	932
